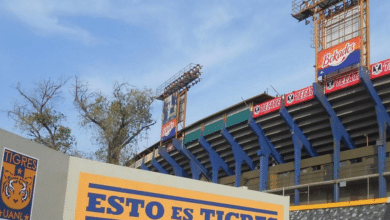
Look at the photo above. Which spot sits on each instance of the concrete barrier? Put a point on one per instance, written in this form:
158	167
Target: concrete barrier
63	187
359	209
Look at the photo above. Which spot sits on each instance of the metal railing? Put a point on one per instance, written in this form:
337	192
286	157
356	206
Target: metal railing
279	181
354	170
300	5
190	67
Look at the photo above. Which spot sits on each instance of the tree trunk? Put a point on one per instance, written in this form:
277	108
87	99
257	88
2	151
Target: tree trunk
113	155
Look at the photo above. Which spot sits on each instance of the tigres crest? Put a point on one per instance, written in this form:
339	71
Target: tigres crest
18	173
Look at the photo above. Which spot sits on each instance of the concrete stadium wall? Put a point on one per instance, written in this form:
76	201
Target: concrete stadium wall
58	179
52	175
77	166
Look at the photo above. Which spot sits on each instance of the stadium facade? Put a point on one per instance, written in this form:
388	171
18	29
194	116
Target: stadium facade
323	144
319	144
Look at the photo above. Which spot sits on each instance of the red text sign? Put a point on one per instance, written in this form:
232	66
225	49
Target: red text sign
380	69
169	146
342	82
267	107
168	130
299	96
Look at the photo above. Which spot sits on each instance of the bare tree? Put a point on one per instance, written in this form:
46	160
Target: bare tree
40	120
119	120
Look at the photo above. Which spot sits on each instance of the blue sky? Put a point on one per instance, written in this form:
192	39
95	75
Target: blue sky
244	46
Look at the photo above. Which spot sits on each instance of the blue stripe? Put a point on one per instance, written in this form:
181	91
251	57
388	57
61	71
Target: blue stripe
353	58
170	135
177	198
96	218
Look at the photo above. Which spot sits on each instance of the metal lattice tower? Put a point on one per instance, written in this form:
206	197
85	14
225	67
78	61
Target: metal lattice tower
336	21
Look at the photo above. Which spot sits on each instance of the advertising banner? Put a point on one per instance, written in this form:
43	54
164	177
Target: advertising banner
168	130
156	153
267	107
169	108
342	82
18	174
169	121
338	57
138	163
169	146
148	157
380	69
299	96
106	198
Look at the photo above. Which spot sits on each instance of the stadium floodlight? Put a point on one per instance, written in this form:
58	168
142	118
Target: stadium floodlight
180	81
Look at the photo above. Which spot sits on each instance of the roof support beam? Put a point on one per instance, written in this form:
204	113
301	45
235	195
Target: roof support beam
300	141
216	161
143	166
263	175
339	134
239	155
176	167
266	149
297	134
158	166
265	143
197	167
383	124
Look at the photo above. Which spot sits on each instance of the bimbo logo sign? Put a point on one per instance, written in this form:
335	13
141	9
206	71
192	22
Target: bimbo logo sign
338	57
168	130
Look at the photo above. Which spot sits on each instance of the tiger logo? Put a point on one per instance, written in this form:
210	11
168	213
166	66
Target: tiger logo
257	110
16	191
330	85
377	69
17	179
290	98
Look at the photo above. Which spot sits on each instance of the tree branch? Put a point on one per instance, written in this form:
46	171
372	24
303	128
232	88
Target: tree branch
137	133
26	97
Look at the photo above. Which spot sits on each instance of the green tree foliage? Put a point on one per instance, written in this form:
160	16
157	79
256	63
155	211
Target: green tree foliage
119	121
38	118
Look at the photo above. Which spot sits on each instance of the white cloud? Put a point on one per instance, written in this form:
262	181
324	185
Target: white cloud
49	18
205	34
212	20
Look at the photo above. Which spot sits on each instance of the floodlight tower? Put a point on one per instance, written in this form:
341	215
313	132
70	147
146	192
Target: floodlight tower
174	95
341	34
341	42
